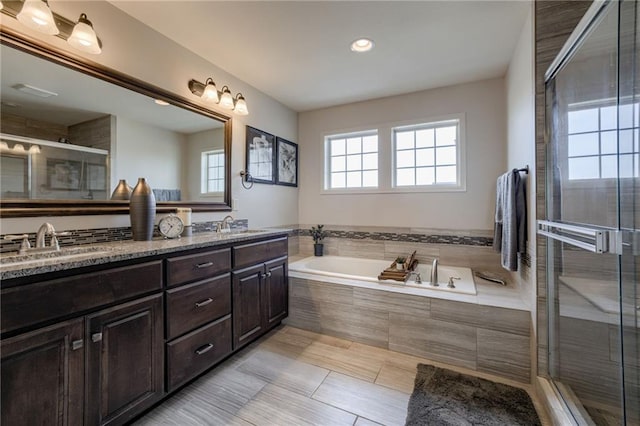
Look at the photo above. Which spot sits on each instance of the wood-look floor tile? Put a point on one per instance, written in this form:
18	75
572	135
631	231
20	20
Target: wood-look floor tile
278	406
365	422
283	371
378	403
342	360
396	376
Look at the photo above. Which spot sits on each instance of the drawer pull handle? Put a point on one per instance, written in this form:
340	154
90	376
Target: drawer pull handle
204	265
77	344
269	274
96	337
204	349
203	303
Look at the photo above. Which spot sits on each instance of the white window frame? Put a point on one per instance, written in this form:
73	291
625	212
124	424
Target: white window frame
460	184
326	175
204	172
386	158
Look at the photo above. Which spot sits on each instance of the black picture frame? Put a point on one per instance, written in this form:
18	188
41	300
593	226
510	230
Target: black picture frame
64	174
286	162
260	155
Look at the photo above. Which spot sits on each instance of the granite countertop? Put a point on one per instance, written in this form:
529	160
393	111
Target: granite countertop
98	254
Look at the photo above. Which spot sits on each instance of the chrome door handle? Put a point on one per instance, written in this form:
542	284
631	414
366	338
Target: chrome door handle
96	337
204	349
204	303
77	344
204	265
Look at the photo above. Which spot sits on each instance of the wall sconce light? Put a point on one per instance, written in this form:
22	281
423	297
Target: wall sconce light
84	37
209	93
19	148
37	15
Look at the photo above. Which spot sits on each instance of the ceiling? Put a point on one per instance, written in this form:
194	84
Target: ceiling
298	51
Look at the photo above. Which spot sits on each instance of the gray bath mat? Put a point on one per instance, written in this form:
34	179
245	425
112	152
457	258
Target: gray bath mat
445	398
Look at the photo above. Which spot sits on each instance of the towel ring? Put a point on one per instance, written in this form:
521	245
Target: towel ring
246	176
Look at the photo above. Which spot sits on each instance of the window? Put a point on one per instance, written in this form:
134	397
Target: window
352	160
212	172
594	142
427	154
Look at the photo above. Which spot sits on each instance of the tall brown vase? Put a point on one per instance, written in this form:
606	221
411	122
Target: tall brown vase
122	191
142	210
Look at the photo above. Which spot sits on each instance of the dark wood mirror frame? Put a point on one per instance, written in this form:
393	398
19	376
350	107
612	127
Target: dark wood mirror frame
31	208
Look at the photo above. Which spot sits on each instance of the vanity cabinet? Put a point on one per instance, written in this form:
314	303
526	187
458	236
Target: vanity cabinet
103	366
198	327
102	344
260	289
42	376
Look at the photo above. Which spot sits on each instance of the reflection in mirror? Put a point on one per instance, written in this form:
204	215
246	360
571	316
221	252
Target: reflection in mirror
67	135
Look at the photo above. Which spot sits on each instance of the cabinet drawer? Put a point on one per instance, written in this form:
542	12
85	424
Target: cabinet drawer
195	352
184	269
31	304
192	305
250	254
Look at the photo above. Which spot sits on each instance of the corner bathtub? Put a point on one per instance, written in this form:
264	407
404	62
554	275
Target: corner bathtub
364	273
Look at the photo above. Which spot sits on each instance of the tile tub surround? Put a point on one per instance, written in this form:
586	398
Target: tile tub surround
479	337
128	250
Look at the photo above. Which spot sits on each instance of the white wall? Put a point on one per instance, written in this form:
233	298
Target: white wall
482	103
143	53
520	90
149	152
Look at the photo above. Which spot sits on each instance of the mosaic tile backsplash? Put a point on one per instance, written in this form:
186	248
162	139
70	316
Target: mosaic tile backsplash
92	236
102	235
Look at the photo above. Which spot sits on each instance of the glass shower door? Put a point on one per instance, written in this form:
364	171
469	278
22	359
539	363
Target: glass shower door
592	219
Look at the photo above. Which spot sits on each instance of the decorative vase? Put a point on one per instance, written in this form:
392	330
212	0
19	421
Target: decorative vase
142	210
317	249
122	191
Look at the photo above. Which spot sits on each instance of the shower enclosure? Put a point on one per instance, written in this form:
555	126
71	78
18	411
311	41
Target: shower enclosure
592	221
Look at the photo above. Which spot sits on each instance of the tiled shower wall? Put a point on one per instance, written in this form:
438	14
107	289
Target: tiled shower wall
554	22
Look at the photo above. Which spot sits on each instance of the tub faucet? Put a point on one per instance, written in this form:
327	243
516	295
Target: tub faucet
46	229
434	273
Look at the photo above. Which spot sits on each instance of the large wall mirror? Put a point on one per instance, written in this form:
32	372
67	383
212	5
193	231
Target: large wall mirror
70	130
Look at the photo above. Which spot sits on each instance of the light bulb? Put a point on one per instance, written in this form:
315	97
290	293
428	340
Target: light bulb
84	37
241	105
18	147
226	101
210	93
36	14
35	149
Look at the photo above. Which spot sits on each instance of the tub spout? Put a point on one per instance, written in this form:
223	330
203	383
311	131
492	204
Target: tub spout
434	273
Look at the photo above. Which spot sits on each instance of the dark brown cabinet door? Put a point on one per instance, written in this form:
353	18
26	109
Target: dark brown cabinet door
247	305
125	364
276	294
43	376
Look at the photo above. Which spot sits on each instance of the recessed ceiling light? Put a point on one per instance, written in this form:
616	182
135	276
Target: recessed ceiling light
362	45
161	102
35	91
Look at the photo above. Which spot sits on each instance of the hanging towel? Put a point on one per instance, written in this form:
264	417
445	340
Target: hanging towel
510	233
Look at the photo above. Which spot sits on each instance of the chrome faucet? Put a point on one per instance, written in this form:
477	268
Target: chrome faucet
434	273
223	225
47	229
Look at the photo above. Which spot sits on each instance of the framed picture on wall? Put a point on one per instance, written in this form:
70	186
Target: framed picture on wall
286	162
64	174
260	155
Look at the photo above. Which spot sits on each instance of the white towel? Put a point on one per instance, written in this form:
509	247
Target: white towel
510	234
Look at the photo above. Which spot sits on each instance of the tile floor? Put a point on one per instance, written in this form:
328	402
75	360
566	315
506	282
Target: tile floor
296	377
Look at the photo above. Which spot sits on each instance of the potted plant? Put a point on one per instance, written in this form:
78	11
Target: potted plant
318	234
400	260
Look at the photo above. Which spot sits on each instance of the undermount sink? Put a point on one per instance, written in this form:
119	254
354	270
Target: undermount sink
62	254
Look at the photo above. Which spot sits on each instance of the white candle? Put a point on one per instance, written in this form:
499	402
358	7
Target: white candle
184	214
